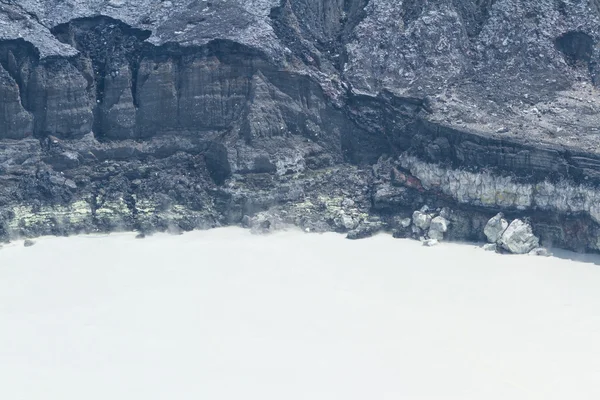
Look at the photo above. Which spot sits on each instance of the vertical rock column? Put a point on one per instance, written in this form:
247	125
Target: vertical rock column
60	100
117	111
157	97
15	121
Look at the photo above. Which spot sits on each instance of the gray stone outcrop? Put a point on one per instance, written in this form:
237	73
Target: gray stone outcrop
437	228
421	220
495	228
518	238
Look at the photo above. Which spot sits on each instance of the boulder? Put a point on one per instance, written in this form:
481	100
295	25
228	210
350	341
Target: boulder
446	213
540	251
264	222
518	238
490	247
495	228
401	234
439	224
437	235
421	220
437	228
364	230
431	242
28	243
344	222
348	222
402	227
416	232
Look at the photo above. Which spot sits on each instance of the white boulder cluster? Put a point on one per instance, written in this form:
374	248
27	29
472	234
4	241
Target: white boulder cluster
515	237
429	226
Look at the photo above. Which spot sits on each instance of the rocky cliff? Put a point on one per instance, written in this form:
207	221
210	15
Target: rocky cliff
338	115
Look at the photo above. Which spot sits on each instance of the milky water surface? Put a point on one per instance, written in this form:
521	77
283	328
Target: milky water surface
224	314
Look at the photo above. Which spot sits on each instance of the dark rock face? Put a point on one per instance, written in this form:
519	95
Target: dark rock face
15	121
576	46
328	115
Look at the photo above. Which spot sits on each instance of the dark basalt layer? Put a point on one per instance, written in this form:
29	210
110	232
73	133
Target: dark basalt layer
330	115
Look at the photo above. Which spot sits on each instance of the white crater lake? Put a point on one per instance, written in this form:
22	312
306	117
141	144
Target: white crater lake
224	314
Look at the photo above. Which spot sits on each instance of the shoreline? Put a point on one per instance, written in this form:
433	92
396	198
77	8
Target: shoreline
558	254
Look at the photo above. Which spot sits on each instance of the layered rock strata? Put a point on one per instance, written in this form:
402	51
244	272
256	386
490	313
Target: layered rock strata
327	115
